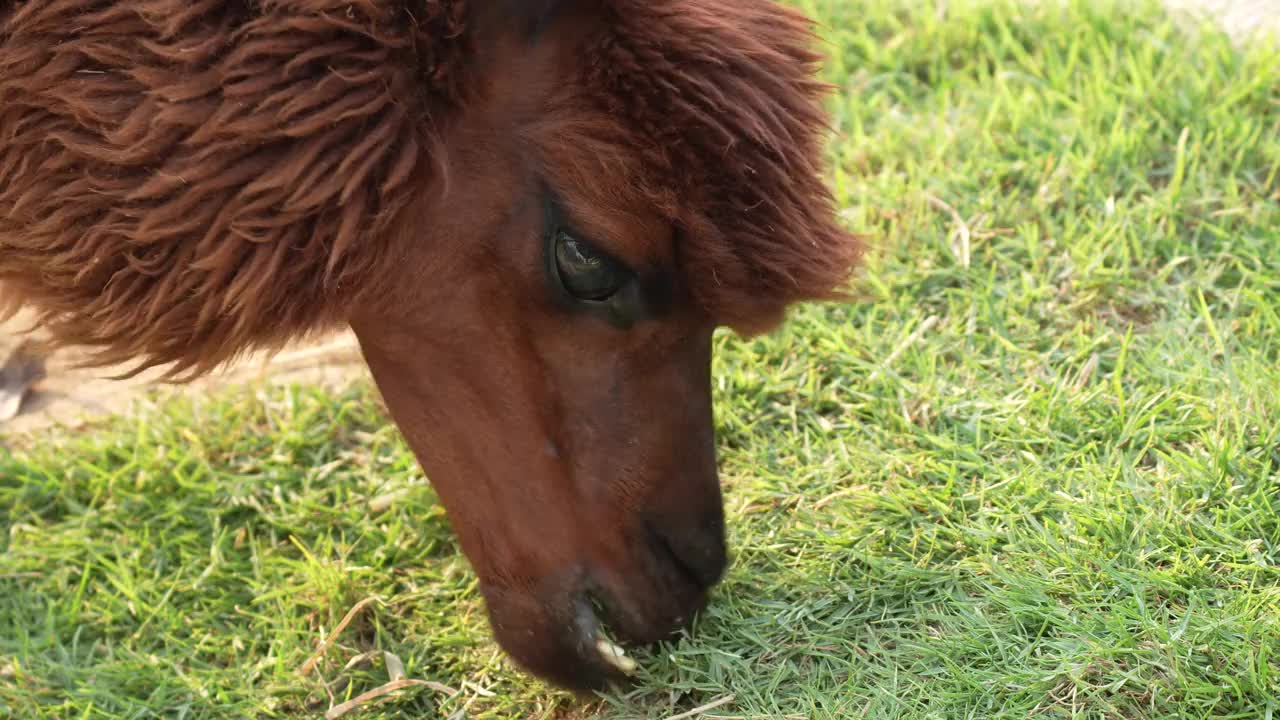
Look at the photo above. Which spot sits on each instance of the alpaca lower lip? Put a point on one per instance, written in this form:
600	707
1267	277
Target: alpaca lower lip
599	649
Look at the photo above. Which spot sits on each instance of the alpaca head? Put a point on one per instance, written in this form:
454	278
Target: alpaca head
533	215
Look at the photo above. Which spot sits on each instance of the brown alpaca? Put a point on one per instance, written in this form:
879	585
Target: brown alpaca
532	214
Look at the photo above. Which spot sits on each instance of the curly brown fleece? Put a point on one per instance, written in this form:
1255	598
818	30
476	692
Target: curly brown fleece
183	180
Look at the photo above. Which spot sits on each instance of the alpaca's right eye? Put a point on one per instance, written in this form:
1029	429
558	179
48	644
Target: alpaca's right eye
586	272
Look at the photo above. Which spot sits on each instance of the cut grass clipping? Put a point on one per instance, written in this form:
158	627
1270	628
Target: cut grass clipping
1032	474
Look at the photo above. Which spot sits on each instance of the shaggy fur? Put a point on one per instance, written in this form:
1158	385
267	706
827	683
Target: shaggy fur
182	180
732	130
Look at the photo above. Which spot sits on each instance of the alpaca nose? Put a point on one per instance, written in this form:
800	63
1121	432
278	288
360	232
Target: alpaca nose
695	543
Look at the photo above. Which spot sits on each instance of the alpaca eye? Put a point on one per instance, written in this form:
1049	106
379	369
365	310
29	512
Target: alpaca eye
585	272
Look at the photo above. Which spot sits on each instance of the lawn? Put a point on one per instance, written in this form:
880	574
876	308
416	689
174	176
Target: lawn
1034	471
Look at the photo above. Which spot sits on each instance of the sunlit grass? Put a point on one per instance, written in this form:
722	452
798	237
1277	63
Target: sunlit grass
1034	472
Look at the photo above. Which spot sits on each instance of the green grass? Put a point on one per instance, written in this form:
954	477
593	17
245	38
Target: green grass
1034	472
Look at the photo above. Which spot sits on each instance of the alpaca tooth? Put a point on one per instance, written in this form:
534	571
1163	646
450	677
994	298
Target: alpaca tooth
615	656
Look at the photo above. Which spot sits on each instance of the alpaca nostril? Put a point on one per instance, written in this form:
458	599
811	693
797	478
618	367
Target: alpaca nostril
697	548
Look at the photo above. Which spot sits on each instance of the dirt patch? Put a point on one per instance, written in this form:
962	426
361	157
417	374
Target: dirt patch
1242	19
69	396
